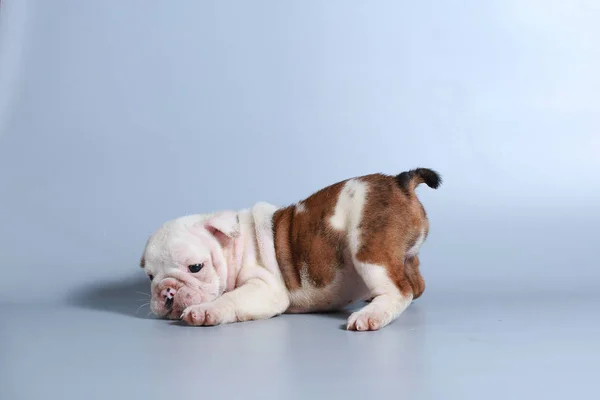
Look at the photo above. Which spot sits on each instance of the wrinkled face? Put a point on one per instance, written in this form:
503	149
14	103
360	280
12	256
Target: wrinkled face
186	261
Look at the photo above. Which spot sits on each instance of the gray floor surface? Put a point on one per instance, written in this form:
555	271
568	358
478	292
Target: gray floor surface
464	346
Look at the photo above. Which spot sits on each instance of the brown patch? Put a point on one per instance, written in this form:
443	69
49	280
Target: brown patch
415	279
306	239
282	227
143	262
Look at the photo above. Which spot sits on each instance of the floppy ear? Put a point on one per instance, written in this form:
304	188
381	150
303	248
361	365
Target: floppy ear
224	225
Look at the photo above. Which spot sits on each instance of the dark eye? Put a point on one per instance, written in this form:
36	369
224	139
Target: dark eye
195	267
151	277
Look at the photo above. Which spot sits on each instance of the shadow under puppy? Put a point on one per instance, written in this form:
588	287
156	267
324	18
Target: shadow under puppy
355	240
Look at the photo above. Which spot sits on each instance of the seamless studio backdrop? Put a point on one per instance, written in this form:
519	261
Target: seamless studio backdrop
117	116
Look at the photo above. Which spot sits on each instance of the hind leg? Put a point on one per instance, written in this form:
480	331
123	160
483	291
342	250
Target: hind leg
415	279
414	276
390	296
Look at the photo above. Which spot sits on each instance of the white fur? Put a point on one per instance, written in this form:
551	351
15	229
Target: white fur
388	302
260	291
348	210
345	288
263	229
413	251
307	297
300	208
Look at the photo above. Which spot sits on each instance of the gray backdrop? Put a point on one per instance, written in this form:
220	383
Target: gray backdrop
118	115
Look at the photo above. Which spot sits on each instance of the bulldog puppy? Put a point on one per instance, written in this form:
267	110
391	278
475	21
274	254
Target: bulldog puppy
358	239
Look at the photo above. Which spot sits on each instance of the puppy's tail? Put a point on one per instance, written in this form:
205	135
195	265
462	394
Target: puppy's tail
409	180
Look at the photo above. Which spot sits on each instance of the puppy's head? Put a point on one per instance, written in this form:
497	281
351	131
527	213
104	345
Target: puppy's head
186	261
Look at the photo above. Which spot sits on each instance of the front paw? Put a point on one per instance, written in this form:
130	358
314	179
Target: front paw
208	314
368	319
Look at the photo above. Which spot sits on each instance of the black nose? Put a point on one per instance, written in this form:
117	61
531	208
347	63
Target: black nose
169	303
